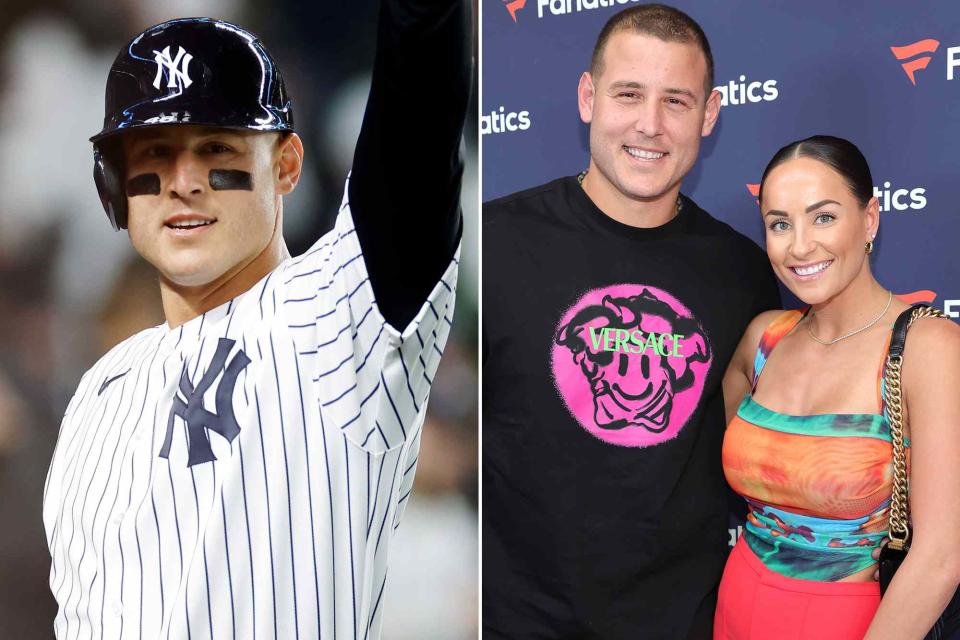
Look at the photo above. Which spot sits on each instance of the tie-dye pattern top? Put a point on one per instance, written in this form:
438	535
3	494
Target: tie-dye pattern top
817	487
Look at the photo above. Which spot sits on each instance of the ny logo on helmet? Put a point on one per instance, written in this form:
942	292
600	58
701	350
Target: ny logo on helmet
176	78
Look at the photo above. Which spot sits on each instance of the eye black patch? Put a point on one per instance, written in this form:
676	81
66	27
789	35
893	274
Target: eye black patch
147	184
230	179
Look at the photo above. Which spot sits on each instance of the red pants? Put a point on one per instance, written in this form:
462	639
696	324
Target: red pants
755	602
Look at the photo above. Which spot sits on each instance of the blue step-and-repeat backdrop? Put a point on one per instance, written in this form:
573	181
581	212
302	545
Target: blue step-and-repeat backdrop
882	73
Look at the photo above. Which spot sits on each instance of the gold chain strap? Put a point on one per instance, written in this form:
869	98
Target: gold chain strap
899	505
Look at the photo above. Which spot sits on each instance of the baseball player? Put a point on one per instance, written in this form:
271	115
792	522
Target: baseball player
239	471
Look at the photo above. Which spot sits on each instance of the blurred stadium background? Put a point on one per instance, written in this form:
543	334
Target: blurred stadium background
71	288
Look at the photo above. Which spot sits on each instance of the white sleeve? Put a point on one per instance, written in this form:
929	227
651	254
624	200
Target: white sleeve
372	379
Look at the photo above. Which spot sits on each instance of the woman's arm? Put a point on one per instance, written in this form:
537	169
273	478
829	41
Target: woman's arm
739	375
930	574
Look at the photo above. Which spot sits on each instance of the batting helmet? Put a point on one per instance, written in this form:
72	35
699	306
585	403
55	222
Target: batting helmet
198	71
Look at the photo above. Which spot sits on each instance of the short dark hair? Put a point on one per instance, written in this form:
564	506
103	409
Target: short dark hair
660	21
837	153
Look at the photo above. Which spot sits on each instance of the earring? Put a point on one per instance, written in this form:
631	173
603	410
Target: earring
869	247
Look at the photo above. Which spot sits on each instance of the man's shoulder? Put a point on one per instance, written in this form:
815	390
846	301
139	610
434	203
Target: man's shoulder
119	359
705	224
139	339
528	202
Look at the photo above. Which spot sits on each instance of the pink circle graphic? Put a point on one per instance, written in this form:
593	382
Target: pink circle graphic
630	362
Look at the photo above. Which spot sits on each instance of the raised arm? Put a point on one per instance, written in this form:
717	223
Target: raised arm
404	189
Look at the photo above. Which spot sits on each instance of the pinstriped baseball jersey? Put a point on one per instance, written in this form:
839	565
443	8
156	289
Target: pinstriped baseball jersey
242	475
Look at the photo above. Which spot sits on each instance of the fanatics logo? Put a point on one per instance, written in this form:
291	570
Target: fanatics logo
743	91
895	199
890	199
502	121
924	295
177	78
513	6
567	7
910	67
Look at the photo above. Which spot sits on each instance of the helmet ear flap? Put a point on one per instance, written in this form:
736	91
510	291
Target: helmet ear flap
107	176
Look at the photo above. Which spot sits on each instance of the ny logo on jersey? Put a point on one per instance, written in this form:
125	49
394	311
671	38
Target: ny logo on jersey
198	419
176	78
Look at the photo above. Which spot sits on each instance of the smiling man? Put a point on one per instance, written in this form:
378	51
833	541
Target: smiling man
239	471
605	506
214	235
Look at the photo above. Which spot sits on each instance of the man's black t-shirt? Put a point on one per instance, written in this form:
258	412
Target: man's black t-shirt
604	347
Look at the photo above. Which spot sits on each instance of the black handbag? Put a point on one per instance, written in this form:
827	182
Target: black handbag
947	626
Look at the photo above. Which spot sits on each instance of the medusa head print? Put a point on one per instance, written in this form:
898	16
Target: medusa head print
630	362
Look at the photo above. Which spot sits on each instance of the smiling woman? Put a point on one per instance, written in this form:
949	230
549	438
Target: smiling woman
810	449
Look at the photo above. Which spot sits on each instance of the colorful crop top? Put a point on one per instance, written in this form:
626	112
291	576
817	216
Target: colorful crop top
817	487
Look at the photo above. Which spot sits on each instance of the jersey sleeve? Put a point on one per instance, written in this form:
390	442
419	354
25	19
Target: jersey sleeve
370	378
407	168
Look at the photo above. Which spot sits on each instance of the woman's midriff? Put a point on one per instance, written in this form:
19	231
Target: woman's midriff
861	576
